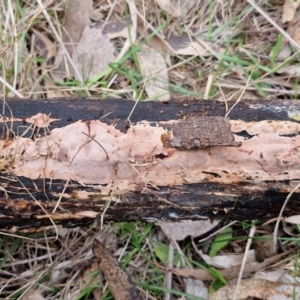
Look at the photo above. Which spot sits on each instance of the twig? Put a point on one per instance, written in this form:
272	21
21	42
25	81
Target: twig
93	138
281	212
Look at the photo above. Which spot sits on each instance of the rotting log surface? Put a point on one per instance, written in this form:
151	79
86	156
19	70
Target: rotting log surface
232	183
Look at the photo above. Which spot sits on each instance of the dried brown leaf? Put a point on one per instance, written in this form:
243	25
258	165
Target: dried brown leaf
174	44
91	55
94	52
293	219
176	8
182	229
294	31
289	10
154	69
114	29
259	288
229	260
196	288
77	17
184	45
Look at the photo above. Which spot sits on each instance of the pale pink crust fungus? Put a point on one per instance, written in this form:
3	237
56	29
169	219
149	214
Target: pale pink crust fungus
41	120
138	158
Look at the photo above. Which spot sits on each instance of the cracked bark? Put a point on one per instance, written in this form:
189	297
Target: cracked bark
243	176
199	132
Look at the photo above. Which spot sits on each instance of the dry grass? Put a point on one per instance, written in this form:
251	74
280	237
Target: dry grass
245	35
245	68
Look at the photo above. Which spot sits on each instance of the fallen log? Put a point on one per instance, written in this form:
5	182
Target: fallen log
69	161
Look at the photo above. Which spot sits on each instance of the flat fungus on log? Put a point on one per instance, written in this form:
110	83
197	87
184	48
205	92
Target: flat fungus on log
92	152
200	162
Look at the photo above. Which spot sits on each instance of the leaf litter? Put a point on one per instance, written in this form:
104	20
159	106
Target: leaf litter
89	59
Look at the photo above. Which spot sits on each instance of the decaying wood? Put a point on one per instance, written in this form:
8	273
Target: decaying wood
119	282
65	159
199	132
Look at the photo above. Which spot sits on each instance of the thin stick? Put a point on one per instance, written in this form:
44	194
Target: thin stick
251	234
60	197
242	93
281	212
10	88
93	138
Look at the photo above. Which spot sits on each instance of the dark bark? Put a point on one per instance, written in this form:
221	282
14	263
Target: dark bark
232	201
116	111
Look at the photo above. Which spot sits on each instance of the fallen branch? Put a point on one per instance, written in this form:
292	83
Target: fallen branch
67	159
